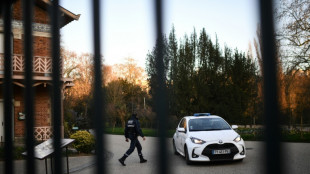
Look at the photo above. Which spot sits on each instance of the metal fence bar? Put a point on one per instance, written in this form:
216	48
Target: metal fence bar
29	94
272	133
8	90
56	94
160	99
273	151
98	95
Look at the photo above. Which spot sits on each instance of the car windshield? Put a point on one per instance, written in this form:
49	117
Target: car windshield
208	124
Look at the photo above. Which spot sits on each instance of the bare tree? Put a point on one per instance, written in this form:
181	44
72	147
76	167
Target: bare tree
131	72
293	32
116	107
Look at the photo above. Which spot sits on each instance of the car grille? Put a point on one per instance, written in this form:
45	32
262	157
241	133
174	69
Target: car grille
218	157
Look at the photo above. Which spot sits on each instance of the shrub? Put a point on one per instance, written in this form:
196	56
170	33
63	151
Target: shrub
84	141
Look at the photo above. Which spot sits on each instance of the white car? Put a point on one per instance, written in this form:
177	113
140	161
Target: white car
205	137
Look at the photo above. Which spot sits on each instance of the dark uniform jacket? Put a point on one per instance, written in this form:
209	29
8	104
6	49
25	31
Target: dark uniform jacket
132	128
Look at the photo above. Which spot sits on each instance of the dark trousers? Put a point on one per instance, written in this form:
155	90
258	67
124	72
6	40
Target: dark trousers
134	143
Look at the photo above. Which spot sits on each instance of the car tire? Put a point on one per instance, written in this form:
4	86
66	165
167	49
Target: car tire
174	148
188	161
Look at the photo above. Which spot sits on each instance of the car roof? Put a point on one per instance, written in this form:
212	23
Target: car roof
196	117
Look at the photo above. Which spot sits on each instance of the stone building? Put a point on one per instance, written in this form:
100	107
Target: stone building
42	69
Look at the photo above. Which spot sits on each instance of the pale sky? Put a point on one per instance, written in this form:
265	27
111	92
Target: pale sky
128	25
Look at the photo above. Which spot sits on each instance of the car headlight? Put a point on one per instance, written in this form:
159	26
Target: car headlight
197	141
237	139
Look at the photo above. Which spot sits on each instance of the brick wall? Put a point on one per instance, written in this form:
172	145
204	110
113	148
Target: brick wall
18	107
41	46
42	108
40	15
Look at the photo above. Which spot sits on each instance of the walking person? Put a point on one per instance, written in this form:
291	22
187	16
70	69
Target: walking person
132	131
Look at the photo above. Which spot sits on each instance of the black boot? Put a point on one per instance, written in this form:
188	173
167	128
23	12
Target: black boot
122	160
142	160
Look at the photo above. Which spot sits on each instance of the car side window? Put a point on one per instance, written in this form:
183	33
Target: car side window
181	125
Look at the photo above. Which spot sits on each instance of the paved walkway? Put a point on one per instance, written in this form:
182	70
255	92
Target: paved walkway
297	157
118	146
85	164
75	164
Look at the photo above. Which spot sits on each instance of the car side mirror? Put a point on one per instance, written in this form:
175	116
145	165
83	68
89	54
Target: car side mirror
234	127
181	129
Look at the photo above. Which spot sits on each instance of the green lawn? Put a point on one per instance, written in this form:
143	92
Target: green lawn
146	131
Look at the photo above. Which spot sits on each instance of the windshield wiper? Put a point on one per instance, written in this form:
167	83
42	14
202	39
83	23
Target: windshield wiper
197	130
213	129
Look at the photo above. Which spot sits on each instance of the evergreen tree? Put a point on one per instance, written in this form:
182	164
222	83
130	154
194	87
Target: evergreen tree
201	78
201	81
173	71
151	64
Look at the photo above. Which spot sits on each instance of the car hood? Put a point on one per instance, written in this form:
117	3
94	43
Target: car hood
225	135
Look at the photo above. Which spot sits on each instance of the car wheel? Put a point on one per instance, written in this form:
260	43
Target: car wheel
174	148
188	161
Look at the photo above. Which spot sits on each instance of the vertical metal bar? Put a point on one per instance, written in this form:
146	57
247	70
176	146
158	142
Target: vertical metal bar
98	102
28	51
67	159
56	94
160	99
45	165
52	171
272	132
8	90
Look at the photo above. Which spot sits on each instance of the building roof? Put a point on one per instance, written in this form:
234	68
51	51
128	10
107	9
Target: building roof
67	16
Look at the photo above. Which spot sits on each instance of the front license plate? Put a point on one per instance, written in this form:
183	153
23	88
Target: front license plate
223	151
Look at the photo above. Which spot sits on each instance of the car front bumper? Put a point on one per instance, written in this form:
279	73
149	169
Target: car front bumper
205	152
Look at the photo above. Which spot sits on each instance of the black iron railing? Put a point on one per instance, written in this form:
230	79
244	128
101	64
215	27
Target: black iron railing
7	85
273	148
29	98
273	135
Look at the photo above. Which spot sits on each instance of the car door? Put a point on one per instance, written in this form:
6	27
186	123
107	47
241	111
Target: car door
178	135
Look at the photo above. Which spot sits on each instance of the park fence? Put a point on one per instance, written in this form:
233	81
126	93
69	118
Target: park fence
272	161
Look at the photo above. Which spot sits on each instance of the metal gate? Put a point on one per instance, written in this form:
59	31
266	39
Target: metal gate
273	148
